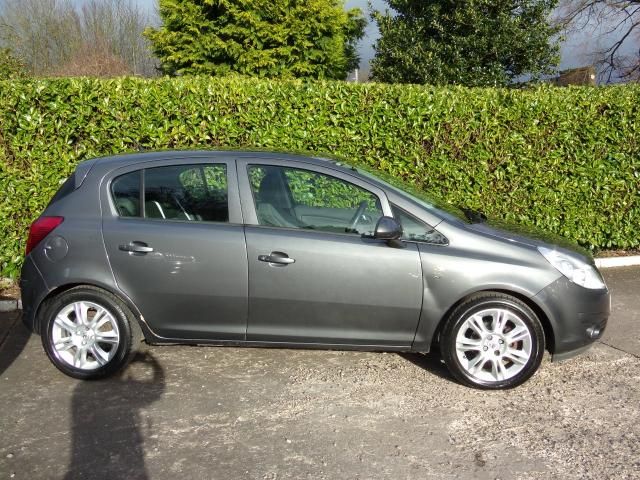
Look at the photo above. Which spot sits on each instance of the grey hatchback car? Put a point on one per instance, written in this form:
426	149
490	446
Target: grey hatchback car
270	249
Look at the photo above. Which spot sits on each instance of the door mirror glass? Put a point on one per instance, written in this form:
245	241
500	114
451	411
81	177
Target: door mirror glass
387	228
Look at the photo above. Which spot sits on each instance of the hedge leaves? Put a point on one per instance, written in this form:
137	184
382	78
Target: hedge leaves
566	160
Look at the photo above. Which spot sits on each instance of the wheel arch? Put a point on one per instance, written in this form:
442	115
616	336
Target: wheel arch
544	318
40	309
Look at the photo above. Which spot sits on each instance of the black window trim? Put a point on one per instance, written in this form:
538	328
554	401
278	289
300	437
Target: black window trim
143	209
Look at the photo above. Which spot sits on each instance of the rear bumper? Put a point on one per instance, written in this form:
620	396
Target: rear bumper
33	290
559	357
578	316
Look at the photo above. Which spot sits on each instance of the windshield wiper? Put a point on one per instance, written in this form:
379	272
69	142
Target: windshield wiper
474	216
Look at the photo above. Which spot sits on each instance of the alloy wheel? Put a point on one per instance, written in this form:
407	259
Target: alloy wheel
493	345
85	335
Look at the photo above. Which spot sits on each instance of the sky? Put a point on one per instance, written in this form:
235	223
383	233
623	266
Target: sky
575	51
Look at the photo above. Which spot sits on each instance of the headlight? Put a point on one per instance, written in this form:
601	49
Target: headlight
577	271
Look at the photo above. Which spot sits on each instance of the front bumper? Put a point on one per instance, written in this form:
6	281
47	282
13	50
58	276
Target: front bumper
577	315
33	290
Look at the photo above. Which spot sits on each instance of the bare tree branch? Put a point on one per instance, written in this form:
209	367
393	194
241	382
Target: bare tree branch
619	19
51	35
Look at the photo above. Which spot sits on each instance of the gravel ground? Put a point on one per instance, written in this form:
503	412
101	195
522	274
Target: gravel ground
189	412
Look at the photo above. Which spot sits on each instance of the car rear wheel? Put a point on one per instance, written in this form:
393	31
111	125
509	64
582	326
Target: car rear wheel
492	341
89	333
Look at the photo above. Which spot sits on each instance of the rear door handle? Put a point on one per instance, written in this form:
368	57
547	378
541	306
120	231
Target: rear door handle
136	247
277	258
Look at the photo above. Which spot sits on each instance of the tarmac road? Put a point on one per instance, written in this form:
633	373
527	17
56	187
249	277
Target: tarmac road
231	413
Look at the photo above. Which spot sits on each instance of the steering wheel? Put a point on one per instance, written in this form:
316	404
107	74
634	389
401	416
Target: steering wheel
358	215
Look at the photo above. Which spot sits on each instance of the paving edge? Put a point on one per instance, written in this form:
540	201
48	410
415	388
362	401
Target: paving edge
10	305
610	262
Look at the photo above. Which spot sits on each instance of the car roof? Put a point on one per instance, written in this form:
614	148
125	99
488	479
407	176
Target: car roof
115	161
112	162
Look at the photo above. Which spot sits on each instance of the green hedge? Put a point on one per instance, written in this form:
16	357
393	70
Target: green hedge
566	160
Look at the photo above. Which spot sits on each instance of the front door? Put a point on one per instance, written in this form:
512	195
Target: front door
313	278
174	237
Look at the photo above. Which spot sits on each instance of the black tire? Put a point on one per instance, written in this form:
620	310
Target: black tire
129	333
473	305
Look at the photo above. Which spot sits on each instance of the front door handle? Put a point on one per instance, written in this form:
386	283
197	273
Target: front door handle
277	258
136	247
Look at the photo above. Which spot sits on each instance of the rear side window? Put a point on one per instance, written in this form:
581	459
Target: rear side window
176	192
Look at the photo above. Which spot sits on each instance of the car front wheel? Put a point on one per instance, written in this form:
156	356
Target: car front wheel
492	341
89	333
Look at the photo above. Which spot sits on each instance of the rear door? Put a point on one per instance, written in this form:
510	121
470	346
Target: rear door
313	278
174	236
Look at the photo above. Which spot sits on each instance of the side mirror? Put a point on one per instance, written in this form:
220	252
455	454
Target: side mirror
387	228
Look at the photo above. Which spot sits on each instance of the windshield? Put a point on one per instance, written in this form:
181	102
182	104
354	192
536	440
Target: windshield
420	197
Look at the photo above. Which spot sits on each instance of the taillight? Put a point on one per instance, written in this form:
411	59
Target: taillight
42	227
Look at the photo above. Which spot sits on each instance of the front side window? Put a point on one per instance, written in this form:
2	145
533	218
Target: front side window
176	192
297	198
414	229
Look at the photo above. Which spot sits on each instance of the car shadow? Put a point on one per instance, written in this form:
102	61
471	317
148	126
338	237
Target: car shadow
109	426
13	344
431	362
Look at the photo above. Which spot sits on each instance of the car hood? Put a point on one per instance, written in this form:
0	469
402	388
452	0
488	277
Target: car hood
527	235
